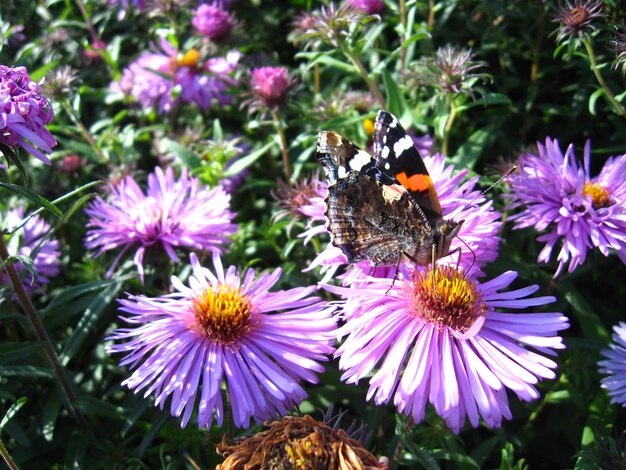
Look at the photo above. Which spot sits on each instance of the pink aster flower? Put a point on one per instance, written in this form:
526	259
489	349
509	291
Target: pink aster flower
479	232
576	211
26	242
24	114
370	7
269	86
446	344
170	214
154	76
614	366
213	21
225	331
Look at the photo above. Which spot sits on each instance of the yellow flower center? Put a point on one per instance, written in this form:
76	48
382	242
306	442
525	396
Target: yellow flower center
600	196
448	298
223	313
190	58
368	125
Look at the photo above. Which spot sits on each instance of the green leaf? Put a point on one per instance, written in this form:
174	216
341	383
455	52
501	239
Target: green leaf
33	197
593	99
29	372
187	156
14	352
396	104
244	162
468	154
92	314
12	411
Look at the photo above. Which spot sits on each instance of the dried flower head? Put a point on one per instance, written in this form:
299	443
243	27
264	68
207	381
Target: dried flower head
619	43
450	71
295	201
329	25
59	82
298	442
577	20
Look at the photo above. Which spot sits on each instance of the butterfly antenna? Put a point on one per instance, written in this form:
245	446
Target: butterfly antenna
485	191
471	251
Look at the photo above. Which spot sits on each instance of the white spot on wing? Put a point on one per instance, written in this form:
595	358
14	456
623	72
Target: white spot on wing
384	153
359	160
341	172
403	144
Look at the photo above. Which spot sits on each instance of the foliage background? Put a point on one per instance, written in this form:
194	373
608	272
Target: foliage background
537	89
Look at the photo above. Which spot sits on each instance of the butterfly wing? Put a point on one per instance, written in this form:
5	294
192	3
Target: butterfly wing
396	154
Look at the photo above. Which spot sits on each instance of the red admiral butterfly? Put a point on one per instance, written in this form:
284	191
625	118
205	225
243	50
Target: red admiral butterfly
383	208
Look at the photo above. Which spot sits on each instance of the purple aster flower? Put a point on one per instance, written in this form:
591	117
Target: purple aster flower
213	21
152	78
24	114
371	7
615	366
226	329
577	211
26	241
269	87
479	232
445	343
172	213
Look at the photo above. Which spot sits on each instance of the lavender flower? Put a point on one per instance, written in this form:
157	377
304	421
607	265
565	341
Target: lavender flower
576	211
225	329
370	7
172	213
24	242
153	77
24	114
213	21
445	343
615	366
479	232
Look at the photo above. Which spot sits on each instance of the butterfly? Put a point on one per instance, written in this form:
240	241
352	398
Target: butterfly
383	208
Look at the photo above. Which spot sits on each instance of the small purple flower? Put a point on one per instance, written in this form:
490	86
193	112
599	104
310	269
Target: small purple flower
577	19
213	21
24	114
172	213
577	211
479	232
25	241
154	76
370	7
446	344
615	366
223	331
270	86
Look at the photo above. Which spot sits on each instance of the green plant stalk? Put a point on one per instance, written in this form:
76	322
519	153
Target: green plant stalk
83	130
446	131
40	331
7	457
361	68
600	78
283	144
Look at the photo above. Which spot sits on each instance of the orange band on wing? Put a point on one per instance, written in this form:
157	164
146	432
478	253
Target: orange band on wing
415	182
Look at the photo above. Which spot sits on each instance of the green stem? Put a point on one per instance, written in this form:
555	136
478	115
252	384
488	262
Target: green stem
363	72
283	144
403	21
83	130
40	330
7	457
600	78
446	131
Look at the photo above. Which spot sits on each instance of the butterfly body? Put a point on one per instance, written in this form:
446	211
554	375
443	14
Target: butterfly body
383	208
